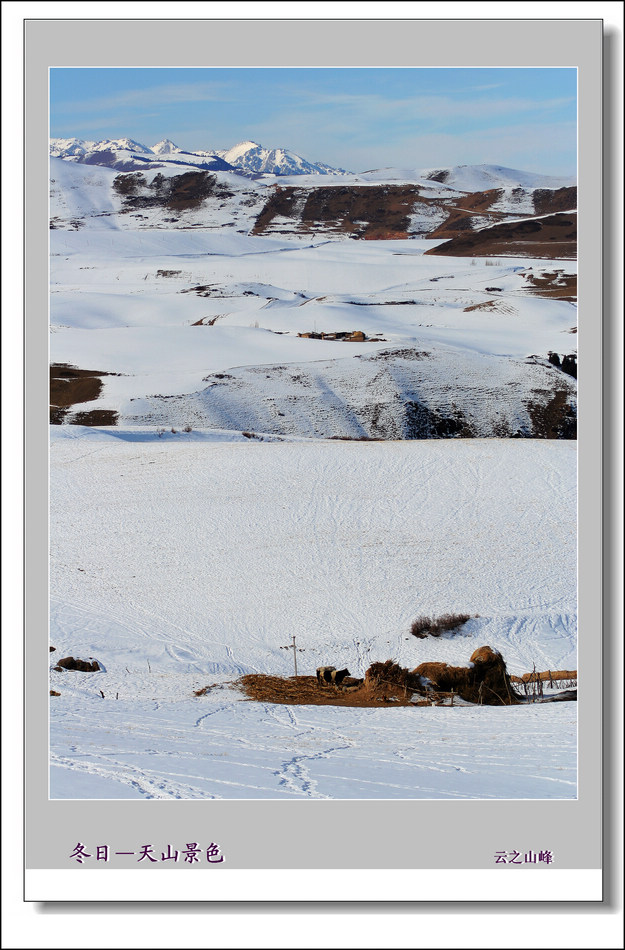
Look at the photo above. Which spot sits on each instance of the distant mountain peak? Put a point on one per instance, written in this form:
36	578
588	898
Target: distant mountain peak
252	157
122	144
165	147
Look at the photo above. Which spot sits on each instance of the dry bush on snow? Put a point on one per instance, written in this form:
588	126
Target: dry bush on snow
433	626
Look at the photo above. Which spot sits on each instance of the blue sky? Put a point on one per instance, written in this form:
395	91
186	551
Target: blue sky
353	118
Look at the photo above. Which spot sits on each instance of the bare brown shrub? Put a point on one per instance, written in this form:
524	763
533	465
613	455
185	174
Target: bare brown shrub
433	626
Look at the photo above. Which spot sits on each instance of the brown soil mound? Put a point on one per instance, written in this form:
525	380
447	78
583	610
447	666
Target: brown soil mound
486	681
553	237
83	666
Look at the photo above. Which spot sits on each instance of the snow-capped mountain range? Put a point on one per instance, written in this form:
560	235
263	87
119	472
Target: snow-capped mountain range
248	158
253	160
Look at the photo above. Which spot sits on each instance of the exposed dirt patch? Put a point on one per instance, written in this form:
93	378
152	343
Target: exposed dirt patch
207	321
282	203
439	176
462	213
491	306
479	200
549	201
462	210
96	417
403	354
385	209
177	193
372	212
421	422
556	418
57	416
70	386
207	290
190	190
129	184
553	237
457	222
555	284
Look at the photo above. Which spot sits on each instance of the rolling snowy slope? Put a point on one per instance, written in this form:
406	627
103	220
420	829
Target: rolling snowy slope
179	563
166	310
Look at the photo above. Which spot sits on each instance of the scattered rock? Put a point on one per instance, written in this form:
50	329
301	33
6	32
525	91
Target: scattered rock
53	692
83	666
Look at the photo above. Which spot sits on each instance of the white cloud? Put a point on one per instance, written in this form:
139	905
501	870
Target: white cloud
374	106
146	98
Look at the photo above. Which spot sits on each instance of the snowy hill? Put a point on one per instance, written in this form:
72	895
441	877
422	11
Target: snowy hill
177	190
472	178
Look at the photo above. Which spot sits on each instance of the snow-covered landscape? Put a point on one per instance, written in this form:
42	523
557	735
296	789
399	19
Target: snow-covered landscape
279	411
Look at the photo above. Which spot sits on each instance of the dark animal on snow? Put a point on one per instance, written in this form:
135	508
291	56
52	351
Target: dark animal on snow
329	674
324	673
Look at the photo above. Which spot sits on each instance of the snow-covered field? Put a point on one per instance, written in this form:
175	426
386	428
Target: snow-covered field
183	559
126	302
180	562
